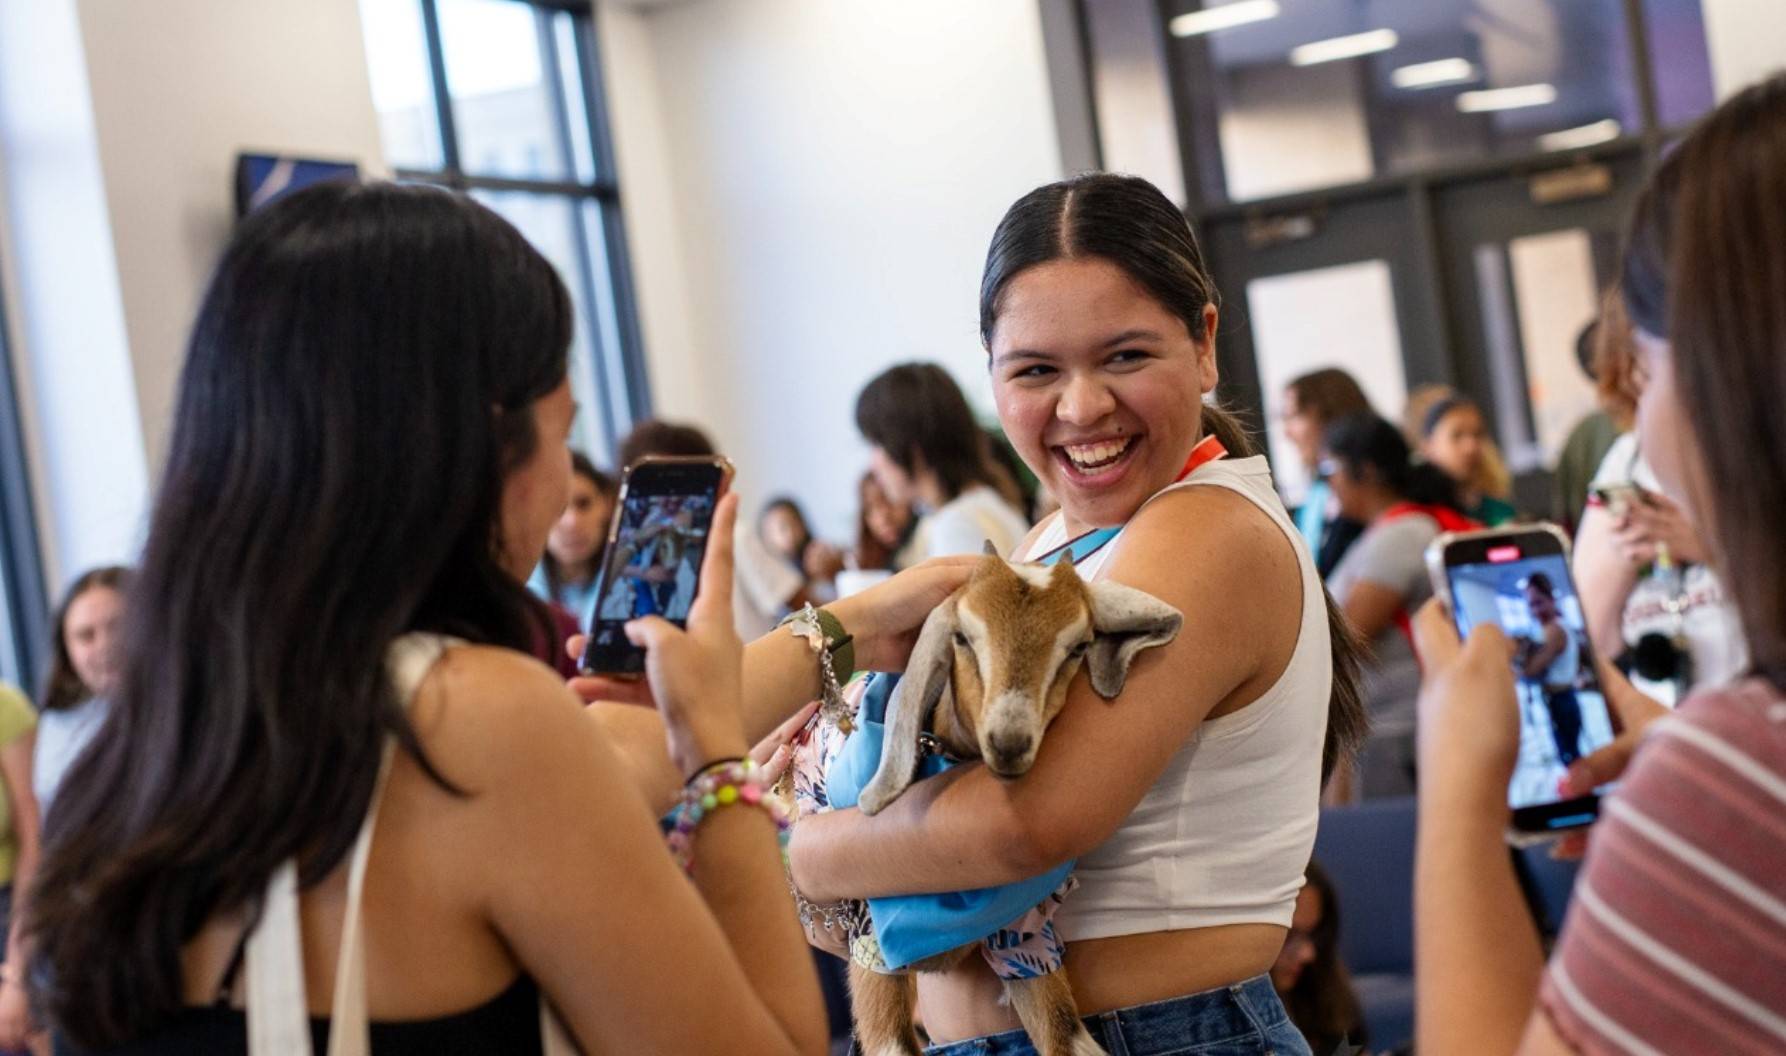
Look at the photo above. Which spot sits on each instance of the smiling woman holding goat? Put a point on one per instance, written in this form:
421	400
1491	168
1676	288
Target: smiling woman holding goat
1190	801
1099	319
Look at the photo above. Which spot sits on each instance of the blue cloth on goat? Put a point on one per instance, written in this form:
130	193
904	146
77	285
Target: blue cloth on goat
910	928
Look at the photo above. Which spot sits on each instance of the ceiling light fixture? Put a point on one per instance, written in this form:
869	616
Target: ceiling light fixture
1506	98
1584	136
1344	47
1226	16
1432	74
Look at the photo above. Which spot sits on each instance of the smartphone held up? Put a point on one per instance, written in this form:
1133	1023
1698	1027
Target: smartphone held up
662	519
1518	578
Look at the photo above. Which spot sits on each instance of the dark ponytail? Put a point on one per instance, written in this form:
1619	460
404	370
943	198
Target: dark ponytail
1371	447
1127	221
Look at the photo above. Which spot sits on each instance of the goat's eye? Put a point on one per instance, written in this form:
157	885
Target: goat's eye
1080	650
961	640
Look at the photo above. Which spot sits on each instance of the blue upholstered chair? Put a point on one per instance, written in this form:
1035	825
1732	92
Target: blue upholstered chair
1368	851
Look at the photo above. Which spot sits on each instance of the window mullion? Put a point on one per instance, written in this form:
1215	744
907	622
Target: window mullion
443	96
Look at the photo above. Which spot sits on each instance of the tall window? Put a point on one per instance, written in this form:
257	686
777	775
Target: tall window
24	601
503	99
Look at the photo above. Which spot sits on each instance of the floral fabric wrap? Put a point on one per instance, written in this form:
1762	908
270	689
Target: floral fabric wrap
834	757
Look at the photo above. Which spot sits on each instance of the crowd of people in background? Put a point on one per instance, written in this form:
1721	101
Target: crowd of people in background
937	484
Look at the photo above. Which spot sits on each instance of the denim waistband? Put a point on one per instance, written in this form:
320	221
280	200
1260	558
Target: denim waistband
1247	1015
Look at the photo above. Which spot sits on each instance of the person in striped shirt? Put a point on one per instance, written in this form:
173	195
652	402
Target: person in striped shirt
1676	936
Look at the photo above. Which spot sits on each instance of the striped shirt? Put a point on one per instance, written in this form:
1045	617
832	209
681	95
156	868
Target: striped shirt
1676	936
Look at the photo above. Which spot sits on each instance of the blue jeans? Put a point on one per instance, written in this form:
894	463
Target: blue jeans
1245	1019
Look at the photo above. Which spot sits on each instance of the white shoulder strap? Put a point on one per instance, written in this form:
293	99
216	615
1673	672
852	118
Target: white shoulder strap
278	1020
349	1029
274	963
278	1017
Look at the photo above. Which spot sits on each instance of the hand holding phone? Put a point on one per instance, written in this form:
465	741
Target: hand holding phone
1524	688
662	528
696	674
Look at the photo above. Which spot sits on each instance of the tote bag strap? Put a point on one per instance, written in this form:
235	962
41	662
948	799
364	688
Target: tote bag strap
349	1029
274	965
277	1005
278	1024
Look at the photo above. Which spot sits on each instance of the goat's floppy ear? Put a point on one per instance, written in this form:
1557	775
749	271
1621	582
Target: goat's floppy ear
1124	621
926	676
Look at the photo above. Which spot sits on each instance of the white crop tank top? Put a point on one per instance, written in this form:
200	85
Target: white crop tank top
1225	833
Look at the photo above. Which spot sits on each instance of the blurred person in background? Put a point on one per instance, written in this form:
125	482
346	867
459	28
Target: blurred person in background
1592	437
570	570
1448	430
929	452
1382	580
1311	403
783	528
1652	602
883	528
83	671
19	847
1310	976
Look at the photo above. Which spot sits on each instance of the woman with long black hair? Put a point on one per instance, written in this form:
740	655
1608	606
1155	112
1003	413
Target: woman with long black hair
1382	581
328	629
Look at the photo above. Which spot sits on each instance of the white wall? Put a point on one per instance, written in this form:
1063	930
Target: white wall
121	121
179	87
830	172
1745	41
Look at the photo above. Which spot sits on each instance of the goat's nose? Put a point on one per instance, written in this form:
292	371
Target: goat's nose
1009	747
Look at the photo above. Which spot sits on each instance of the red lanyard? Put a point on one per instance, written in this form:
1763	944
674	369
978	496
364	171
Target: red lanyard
1207	450
1080	547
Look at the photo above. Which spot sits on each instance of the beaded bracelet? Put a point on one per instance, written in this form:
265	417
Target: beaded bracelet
732	760
721	784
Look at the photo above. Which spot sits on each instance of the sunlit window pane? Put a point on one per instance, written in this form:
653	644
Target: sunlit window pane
402	92
550	223
503	106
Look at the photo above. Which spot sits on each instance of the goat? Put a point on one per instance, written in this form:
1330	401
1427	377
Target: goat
988	674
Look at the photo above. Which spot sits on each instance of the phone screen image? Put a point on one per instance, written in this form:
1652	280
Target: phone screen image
1562	713
653	565
657	560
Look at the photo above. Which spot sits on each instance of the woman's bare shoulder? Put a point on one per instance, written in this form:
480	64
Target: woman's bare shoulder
485	714
1192	533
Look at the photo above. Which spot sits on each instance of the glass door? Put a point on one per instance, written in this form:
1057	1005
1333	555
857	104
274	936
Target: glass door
1524	259
1321	287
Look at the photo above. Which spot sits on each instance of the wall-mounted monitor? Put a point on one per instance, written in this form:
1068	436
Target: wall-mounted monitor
260	178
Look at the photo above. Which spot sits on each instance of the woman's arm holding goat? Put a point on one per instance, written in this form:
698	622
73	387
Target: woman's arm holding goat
1238	584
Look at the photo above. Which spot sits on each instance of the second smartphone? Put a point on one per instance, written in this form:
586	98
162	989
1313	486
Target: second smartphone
1518	578
656	543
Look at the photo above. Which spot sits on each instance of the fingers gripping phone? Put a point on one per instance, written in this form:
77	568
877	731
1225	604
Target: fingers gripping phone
1620	497
1518	578
662	518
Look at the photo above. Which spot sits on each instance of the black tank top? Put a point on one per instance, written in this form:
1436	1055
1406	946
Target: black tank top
506	1025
